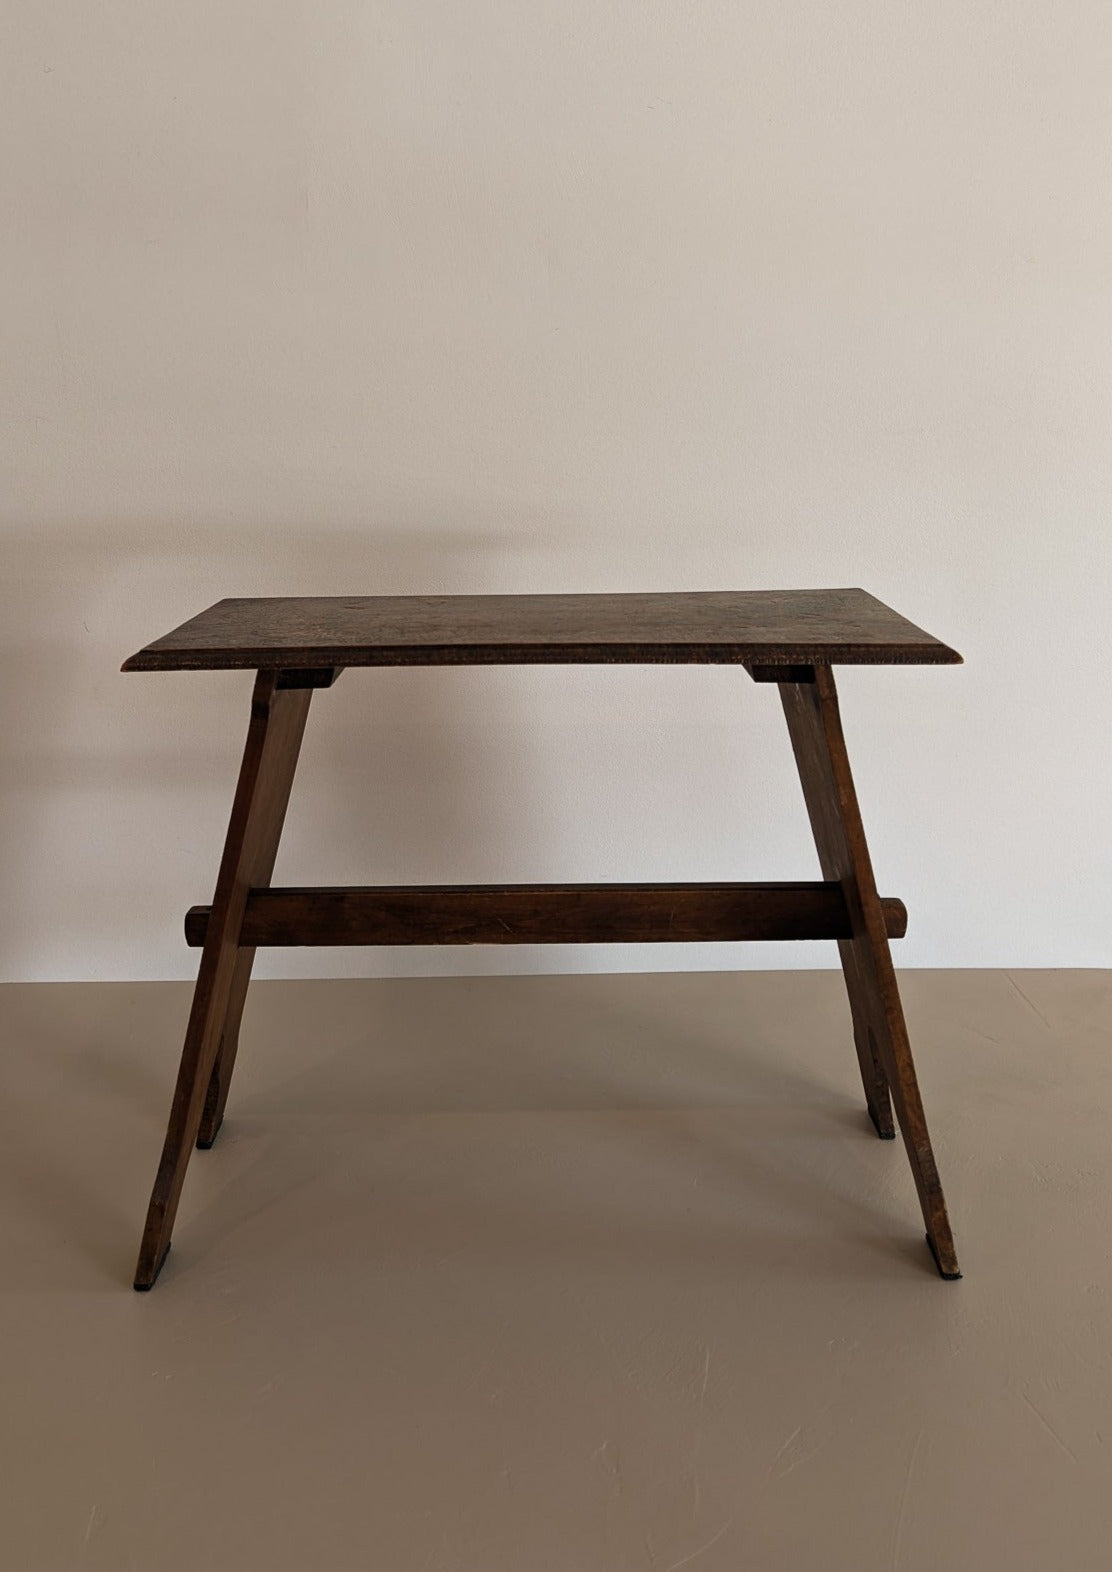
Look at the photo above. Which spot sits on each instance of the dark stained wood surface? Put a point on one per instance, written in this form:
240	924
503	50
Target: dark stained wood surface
296	645
762	627
258	811
545	914
880	1031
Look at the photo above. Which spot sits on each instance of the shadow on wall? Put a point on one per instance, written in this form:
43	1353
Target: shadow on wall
114	791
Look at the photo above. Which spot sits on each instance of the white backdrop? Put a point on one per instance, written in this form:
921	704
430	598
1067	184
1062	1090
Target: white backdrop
400	296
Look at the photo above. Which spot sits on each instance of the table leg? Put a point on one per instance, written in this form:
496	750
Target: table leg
880	1031
266	775
216	1097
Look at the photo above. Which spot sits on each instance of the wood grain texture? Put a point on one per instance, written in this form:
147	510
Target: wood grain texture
298	645
258	810
880	1031
759	627
216	1097
544	914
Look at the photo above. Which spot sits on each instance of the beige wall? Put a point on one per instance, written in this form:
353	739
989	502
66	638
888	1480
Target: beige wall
388	296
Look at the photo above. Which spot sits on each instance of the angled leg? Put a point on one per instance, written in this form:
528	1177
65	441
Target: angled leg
880	1032
878	1099
216	1098
258	811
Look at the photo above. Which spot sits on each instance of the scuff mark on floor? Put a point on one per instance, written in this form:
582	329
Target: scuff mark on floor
901	1516
702	1549
612	1461
1028	1002
1048	1427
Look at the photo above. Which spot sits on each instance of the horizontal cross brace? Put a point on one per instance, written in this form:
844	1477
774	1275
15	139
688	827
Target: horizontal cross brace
544	914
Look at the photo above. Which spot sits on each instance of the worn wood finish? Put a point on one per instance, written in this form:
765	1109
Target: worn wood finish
880	1031
791	638
760	628
258	810
216	1097
544	914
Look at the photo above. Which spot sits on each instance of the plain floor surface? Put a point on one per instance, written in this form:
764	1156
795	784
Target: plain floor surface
559	1274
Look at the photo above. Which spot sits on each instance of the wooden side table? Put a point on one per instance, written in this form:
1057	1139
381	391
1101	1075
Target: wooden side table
790	638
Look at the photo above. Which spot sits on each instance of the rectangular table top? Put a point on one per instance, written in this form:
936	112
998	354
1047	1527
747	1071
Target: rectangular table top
765	627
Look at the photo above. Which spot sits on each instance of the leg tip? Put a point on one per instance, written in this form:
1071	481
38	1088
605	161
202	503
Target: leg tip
207	1137
887	1130
144	1280
951	1272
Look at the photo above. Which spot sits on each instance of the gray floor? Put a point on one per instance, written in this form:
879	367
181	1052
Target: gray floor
578	1274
